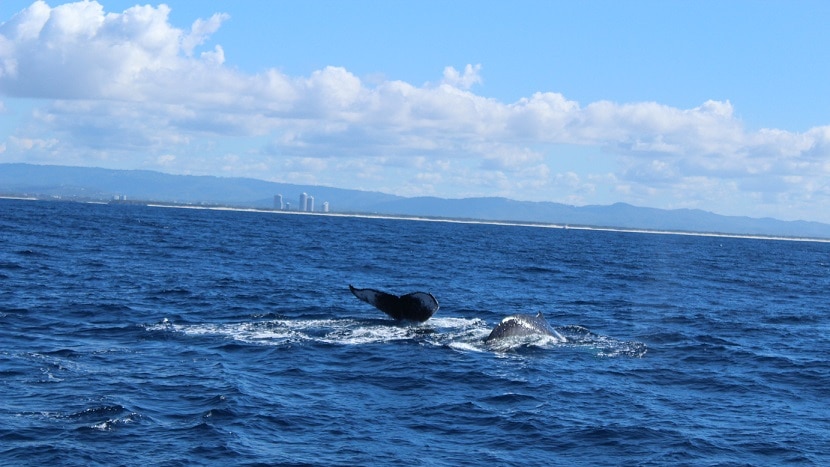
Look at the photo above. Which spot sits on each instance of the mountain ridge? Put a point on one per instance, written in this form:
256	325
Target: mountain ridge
91	183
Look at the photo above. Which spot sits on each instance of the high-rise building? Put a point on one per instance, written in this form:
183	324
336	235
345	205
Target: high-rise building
309	204
278	202
303	200
325	206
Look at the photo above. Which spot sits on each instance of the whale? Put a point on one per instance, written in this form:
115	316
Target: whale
415	306
521	325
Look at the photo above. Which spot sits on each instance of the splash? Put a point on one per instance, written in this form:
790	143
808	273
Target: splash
460	334
285	331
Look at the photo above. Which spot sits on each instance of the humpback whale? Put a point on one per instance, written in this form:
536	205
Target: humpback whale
523	325
416	306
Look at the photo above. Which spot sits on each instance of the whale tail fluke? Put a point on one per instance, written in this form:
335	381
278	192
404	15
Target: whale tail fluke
416	306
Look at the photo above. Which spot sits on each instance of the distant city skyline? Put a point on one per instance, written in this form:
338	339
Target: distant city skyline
305	204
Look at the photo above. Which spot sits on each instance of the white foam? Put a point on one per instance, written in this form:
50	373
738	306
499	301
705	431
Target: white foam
535	340
278	332
461	334
455	323
467	346
367	335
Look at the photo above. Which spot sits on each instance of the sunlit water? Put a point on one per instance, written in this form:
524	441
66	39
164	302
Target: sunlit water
154	336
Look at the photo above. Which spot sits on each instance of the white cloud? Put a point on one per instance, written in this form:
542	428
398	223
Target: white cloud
215	57
33	143
165	160
200	31
466	80
132	89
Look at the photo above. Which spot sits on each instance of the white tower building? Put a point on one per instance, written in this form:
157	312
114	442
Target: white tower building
303	200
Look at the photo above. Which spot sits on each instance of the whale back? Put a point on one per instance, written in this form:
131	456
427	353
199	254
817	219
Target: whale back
522	325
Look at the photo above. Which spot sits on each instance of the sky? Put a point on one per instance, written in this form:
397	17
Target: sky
713	105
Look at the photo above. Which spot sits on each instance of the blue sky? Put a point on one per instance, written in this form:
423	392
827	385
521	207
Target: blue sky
721	106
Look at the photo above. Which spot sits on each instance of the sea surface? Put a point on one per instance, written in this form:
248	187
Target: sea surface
140	335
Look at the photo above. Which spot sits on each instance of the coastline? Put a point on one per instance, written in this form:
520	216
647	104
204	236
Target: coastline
218	207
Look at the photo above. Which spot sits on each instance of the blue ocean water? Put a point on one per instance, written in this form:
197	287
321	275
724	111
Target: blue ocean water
136	335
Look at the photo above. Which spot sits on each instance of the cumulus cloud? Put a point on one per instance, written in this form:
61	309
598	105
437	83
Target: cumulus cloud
200	31
132	89
471	76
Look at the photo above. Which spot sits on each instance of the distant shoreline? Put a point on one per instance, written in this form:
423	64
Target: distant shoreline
217	207
90	184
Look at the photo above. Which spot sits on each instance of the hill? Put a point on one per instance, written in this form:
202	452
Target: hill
81	183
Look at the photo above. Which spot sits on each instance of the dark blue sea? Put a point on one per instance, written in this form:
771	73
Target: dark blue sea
138	335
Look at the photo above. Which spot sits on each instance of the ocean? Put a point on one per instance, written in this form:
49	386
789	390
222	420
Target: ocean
141	335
